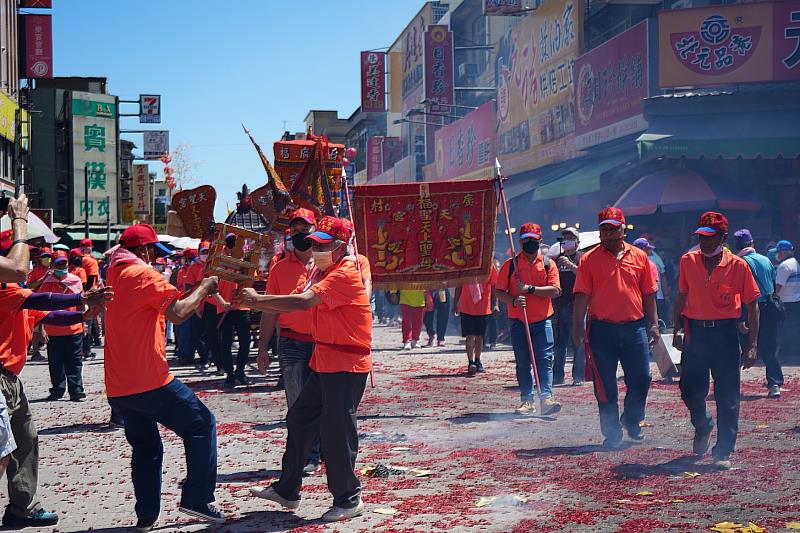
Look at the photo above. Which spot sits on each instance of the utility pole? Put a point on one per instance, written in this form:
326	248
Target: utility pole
108	223
17	158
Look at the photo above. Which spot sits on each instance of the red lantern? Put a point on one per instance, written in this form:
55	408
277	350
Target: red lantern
351	152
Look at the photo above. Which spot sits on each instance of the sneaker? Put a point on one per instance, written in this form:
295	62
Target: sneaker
440	344
414	344
472	369
700	443
774	392
430	342
204	511
406	347
311	468
242	380
577	382
337	514
550	406
79	397
146	524
479	365
635	433
612	443
269	493
723	462
202	367
53	398
39	518
230	383
527	408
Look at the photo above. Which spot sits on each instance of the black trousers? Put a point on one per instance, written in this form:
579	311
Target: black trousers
210	320
239	322
714	351
66	367
325	409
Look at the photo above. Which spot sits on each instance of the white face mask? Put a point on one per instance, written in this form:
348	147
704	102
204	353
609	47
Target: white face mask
322	260
569	246
716	252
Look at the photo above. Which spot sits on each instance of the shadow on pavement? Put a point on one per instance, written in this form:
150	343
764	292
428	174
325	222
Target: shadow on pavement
556	451
269	427
441	376
263	522
470	418
670	468
253	475
100	427
388	417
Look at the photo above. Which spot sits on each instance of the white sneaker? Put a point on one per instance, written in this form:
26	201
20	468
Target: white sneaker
337	514
774	392
406	346
270	494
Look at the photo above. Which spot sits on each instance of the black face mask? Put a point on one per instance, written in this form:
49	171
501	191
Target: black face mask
530	247
230	243
301	241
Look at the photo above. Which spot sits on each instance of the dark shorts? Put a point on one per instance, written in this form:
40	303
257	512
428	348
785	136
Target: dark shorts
474	324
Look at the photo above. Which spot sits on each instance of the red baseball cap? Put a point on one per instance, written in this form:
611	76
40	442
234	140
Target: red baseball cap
190	253
529	229
710	223
75	252
161	261
44	252
59	255
141	235
205	245
86	242
303	214
611	215
330	229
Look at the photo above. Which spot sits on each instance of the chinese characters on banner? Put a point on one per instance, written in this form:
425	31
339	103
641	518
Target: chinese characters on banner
299	165
373	81
437	234
501	7
374	157
610	83
195	208
439	68
534	76
94	152
38	57
141	189
465	148
740	43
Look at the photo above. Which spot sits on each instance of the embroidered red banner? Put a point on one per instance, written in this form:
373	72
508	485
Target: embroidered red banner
195	207
426	235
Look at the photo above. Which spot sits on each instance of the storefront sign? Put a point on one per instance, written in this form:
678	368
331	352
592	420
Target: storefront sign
38	57
94	156
427	234
8	117
466	145
502	7
739	43
46	216
373	81
156	144
534	74
44	4
439	86
141	189
374	157
610	83
150	109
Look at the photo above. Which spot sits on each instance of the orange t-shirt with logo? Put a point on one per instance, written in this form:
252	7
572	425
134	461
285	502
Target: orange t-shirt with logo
89	264
16	326
61	331
342	323
467	304
135	353
720	295
530	273
615	286
284	278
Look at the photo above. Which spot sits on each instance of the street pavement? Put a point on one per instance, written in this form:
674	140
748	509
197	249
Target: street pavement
454	455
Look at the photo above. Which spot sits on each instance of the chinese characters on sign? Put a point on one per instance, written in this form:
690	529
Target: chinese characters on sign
94	155
141	189
439	68
373	81
534	75
502	7
466	146
38	57
610	83
433	234
195	207
374	157
739	43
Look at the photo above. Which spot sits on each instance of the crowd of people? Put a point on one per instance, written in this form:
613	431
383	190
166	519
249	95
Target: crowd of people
606	305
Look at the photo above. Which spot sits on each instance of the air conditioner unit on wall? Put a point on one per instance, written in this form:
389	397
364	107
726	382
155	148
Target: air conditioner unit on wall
467	69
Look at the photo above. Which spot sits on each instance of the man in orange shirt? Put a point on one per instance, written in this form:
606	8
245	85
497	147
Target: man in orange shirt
89	263
20	311
615	283
295	344
64	344
326	408
530	281
475	302
713	285
140	385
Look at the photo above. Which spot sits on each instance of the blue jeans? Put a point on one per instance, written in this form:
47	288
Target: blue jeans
542	337
175	407
565	340
626	344
714	351
190	340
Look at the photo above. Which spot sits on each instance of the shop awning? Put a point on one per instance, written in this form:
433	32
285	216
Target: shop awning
584	180
100	237
677	190
767	134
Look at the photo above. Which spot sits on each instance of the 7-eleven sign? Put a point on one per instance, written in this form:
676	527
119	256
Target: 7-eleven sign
150	109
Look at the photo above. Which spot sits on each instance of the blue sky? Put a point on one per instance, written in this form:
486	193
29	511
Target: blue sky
258	61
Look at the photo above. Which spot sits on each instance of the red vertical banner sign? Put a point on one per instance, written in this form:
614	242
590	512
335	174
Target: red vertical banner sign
45	4
374	157
439	68
786	40
38	58
373	81
417	235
